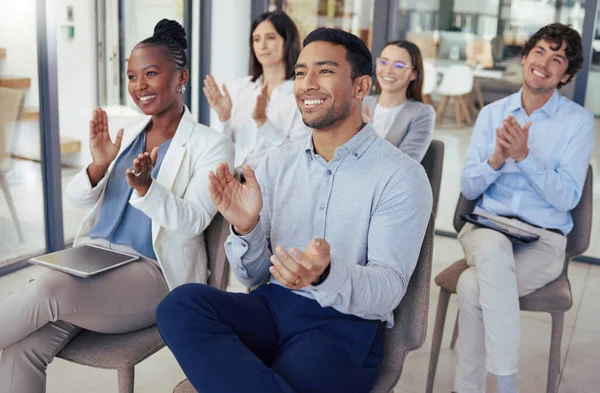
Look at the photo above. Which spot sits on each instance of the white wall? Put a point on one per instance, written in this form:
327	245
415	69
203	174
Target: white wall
230	54
77	70
140	17
18	37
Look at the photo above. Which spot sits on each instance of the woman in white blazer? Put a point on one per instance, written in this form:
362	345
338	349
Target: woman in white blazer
397	110
148	195
259	112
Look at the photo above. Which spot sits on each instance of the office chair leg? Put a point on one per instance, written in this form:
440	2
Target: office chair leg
464	103
11	206
457	111
441	109
438	333
126	377
455	332
558	320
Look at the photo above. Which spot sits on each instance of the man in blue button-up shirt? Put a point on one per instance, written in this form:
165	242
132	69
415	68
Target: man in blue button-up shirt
345	212
527	163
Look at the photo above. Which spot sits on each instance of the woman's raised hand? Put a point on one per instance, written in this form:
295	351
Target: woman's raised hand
220	102
103	149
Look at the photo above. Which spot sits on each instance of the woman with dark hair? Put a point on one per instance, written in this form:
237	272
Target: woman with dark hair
148	194
397	110
259	112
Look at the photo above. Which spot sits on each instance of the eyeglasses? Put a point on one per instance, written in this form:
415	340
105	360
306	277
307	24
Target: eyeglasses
398	65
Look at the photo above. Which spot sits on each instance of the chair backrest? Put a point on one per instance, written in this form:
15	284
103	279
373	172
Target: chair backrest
214	238
429	77
462	206
11	105
578	240
433	162
410	318
458	80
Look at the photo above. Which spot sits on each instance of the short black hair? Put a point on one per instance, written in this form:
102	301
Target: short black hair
557	33
170	35
287	29
357	53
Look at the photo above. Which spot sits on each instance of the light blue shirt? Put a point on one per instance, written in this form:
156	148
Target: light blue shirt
371	203
119	222
547	184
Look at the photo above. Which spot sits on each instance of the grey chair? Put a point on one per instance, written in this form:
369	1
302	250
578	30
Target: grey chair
433	162
122	352
410	317
11	107
554	298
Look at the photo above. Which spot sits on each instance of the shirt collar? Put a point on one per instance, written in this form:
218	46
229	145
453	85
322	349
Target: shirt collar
355	147
550	107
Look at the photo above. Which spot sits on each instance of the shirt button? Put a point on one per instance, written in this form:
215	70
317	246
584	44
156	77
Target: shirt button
244	245
355	154
322	207
328	172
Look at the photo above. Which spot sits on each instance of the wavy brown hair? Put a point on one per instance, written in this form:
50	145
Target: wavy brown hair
414	91
557	33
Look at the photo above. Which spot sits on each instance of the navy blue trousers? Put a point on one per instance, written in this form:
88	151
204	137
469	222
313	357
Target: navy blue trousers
270	340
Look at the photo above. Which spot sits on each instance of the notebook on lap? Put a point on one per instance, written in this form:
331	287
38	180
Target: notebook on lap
84	261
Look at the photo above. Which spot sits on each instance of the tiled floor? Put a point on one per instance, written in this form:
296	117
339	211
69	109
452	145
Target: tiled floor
580	347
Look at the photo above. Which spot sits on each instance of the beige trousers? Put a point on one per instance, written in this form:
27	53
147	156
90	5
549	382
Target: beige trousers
38	320
488	297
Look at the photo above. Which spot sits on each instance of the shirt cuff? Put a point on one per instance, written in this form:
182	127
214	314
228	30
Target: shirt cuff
489	173
226	127
84	179
530	165
339	274
249	244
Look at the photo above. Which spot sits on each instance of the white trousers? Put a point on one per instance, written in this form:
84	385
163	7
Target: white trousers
488	297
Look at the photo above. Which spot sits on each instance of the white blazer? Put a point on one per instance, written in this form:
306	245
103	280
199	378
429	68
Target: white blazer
178	201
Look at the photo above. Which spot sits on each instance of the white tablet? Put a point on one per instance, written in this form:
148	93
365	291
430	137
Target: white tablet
85	260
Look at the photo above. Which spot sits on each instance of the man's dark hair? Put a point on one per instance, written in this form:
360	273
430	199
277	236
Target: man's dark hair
287	29
556	34
357	53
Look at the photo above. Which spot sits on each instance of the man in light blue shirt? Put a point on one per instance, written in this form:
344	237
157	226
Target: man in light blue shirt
527	162
345	213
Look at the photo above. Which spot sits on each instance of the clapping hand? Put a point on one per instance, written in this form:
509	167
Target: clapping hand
140	177
103	150
259	114
240	204
514	138
296	269
220	102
